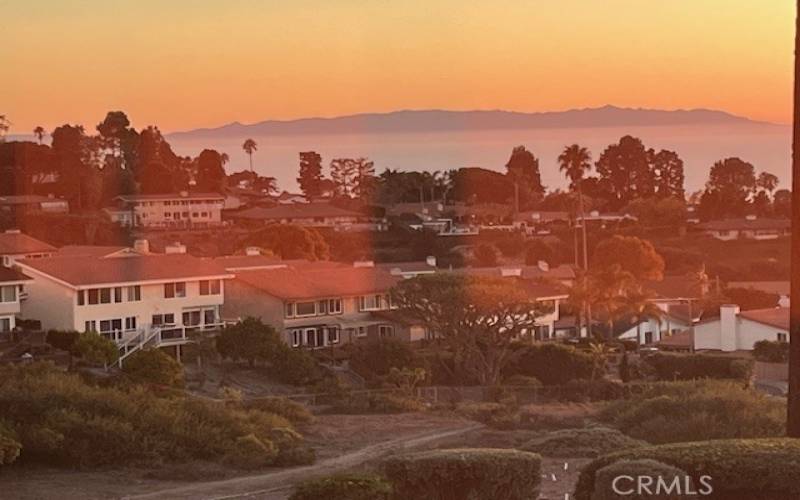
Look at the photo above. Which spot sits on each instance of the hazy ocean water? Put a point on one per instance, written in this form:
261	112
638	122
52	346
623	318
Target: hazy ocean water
766	147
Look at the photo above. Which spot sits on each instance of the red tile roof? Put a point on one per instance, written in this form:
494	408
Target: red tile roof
774	316
8	275
82	270
88	250
171	196
18	243
298	283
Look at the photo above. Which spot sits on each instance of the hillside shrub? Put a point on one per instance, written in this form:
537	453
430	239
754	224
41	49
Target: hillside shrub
551	364
771	351
293	366
522	381
668	366
376	358
382	403
9	446
62	339
657	471
62	420
591	390
95	349
465	474
251	452
292	411
763	469
154	366
697	411
344	487
579	443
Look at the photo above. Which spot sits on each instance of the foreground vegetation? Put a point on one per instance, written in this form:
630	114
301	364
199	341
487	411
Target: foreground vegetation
62	419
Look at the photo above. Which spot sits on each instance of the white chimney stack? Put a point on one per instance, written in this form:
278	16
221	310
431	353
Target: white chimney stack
728	331
364	263
431	260
251	251
141	246
176	247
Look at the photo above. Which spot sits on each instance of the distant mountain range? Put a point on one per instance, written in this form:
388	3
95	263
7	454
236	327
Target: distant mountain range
441	120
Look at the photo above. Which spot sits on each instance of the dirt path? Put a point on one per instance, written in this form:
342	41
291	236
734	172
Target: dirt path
276	485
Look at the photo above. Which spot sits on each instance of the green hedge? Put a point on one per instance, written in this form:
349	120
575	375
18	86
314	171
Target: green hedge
344	487
292	411
669	366
551	364
763	469
465	474
771	351
587	442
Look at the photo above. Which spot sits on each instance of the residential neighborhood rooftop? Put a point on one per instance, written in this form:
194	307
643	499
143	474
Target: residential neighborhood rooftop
17	243
292	283
170	196
9	275
297	211
745	223
80	270
773	316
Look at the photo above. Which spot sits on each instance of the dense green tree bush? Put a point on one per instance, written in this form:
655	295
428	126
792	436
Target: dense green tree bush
696	411
474	474
292	411
95	349
552	364
61	419
763	469
63	339
586	442
344	487
668	366
9	446
249	340
771	351
154	366
376	358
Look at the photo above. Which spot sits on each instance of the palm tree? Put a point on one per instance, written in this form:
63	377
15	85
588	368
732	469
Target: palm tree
575	161
793	406
579	300
640	307
39	133
600	353
612	285
249	147
5	125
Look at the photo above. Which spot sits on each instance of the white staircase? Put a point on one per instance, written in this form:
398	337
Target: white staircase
151	336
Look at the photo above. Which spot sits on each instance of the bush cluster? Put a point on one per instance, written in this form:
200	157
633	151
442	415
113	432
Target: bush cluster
376	358
696	411
465	474
771	351
59	418
766	469
667	366
154	366
577	443
384	403
551	364
344	487
292	411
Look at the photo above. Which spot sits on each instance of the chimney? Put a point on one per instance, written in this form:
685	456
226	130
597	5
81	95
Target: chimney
363	263
431	260
543	266
141	246
176	247
511	271
728	331
251	251
751	217
184	194
13	231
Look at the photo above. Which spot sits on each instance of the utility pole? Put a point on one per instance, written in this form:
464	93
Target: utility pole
793	406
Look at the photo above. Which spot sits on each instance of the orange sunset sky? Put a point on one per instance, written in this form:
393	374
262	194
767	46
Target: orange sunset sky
183	64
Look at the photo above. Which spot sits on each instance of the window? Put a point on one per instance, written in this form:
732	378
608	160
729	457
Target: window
5	324
782	337
163	319
105	295
191	318
385	331
209	316
81	297
305	308
289	310
322	307
334	306
118	294
94	296
130	323
362	331
110	325
172	290
90	326
134	293
333	335
297	338
370	302
209	287
311	337
8	293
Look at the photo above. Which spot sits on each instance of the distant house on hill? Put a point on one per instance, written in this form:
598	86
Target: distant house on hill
736	330
536	221
176	210
750	227
780	288
604	219
21	205
313	215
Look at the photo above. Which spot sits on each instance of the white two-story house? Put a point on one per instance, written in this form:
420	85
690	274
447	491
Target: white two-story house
12	293
129	297
317	306
179	210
